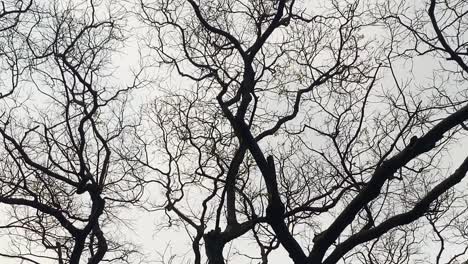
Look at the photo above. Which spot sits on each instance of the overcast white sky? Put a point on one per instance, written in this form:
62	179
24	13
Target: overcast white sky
144	224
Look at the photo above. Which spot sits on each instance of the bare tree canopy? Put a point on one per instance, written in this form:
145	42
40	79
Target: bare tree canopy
256	131
61	120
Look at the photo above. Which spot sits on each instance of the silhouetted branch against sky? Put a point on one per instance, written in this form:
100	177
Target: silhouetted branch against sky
263	131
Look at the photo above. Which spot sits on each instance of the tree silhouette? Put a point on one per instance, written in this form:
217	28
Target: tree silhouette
295	128
62	119
326	132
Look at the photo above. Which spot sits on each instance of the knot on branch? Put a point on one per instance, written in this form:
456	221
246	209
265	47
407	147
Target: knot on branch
169	206
82	187
317	237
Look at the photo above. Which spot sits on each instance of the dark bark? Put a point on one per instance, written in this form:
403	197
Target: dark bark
77	250
214	246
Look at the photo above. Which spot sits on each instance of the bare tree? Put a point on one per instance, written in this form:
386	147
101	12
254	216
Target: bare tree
295	128
298	127
11	13
63	120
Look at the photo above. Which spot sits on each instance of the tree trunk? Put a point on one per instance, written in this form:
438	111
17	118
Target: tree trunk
214	246
77	250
